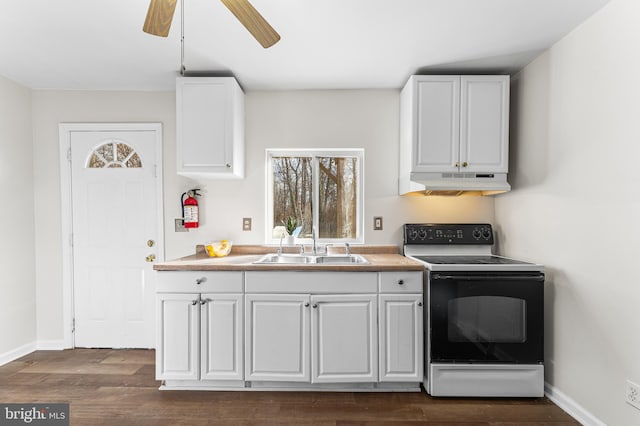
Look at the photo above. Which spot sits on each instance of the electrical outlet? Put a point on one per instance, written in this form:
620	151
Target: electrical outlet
633	394
246	224
377	223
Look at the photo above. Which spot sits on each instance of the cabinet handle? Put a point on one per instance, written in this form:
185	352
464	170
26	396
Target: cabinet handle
228	165
400	282
419	303
200	280
194	302
315	305
465	164
306	305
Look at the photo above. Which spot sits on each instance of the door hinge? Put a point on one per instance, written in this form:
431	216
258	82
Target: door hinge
69	154
73	325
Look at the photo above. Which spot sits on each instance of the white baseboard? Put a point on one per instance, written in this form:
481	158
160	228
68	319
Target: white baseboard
16	353
572	408
51	345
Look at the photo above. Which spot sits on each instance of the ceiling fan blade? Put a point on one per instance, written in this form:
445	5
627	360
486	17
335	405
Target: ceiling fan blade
253	21
159	17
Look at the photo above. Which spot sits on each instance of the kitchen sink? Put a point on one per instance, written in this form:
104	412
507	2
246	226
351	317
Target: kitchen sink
351	259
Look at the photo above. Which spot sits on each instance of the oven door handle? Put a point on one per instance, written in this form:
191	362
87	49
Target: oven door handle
467	277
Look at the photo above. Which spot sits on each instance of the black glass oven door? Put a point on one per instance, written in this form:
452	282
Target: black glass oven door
487	317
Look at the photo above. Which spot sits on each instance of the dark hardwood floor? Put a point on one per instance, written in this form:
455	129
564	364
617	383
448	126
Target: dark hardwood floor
117	387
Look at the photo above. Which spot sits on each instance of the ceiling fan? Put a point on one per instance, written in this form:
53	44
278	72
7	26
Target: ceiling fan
160	15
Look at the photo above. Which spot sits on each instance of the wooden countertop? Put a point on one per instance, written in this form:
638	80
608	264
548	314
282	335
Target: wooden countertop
380	258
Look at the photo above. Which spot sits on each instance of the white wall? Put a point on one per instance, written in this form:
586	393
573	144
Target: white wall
359	118
17	279
576	205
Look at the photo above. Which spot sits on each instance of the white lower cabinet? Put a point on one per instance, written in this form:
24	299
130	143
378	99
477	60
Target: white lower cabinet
199	330
178	337
344	338
335	335
291	330
277	337
200	337
401	337
221	337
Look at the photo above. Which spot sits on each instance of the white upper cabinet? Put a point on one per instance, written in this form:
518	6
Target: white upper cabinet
454	123
210	127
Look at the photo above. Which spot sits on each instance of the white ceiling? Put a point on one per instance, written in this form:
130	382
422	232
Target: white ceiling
326	44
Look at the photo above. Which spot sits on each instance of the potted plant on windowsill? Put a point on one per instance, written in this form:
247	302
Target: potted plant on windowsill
291	224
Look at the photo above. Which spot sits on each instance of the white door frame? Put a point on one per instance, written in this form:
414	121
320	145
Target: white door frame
65	130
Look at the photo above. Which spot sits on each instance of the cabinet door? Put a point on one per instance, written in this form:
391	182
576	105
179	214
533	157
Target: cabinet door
437	123
344	338
209	122
401	338
177	337
221	356
277	337
484	123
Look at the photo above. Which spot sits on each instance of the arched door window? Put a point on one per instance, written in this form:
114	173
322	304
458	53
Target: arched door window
114	154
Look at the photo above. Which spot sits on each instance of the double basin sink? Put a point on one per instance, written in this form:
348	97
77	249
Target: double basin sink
350	259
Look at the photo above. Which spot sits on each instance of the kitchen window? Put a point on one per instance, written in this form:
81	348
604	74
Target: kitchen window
317	188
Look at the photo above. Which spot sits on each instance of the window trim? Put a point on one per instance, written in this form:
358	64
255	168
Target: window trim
315	153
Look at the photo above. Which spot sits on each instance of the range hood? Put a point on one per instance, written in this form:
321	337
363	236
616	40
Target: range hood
453	184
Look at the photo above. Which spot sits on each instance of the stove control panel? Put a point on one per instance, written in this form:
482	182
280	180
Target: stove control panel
448	233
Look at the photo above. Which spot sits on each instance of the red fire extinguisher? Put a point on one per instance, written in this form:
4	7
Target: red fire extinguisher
190	208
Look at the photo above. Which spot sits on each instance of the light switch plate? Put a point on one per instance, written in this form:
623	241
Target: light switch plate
179	226
377	223
246	224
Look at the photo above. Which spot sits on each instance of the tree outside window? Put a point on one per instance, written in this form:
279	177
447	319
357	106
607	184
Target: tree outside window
317	188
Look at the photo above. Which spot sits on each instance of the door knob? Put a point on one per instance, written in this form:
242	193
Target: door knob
150	258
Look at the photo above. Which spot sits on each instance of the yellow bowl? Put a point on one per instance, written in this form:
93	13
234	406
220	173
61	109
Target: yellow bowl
218	248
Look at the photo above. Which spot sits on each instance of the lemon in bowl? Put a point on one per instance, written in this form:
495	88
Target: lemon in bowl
218	248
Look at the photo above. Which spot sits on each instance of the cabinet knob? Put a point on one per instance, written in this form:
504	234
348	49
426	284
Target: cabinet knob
228	165
200	280
465	164
457	164
203	301
315	305
194	302
306	305
400	282
419	303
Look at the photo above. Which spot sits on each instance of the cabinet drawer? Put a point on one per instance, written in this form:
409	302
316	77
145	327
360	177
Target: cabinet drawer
401	282
311	282
209	282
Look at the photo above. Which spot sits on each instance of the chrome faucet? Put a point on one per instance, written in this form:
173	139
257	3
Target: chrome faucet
280	248
347	249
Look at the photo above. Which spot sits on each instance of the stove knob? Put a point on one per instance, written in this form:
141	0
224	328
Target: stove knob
413	235
477	234
422	234
486	233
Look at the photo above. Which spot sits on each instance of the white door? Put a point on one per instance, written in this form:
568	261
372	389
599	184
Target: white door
277	337
116	208
401	338
221	337
344	338
177	354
